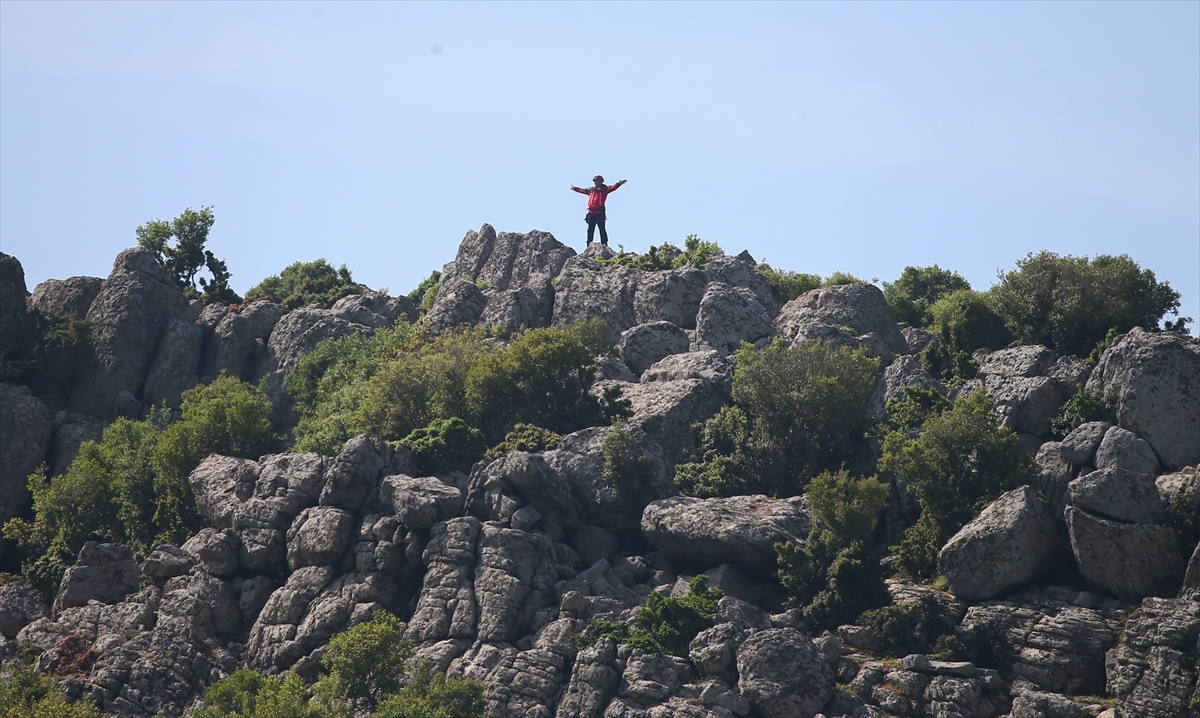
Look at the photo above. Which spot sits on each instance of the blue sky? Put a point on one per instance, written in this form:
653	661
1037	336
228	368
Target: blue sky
860	137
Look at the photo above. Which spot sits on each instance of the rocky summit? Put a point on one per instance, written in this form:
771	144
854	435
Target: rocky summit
1072	589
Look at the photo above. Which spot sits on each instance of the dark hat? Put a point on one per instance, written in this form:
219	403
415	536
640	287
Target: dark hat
597	178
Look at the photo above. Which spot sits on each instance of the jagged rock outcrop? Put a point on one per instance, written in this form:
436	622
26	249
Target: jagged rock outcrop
664	411
18	607
298	333
176	364
239	340
103	572
1130	560
861	307
730	316
646	344
586	289
782	675
373	309
1118	494
1079	446
1153	378
1153	672
507	260
742	530
458	303
670	296
709	366
13	297
70	297
1007	545
25	428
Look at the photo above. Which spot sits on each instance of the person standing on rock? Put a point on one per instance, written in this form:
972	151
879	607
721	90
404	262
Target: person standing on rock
595	214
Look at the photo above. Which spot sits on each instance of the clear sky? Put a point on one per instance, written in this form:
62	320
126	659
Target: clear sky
860	137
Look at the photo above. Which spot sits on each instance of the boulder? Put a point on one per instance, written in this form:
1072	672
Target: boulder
1023	361
1050	475
1070	373
18	607
176	364
103	572
730	316
239	339
665	410
1180	492
1153	672
1079	446
318	537
1121	449
421	502
586	289
904	371
458	303
70	297
446	607
670	296
783	675
298	333
354	473
1118	494
1153	378
916	338
166	562
742	530
1008	544
593	682
507	260
220	485
13	297
737	272
709	366
860	307
216	551
25	428
1131	561
644	345
1027	404
373	309
516	309
129	317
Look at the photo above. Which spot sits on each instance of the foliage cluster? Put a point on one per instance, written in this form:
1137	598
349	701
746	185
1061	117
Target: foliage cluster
38	336
916	290
132	487
796	411
664	625
786	285
959	462
963	321
445	445
367	671
25	693
836	576
525	437
400	381
695	253
304	283
1081	408
916	627
188	257
426	292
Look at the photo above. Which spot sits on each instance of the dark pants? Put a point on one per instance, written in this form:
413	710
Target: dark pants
593	221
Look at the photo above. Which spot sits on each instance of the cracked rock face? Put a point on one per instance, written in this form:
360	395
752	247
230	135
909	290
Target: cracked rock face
1153	673
1131	561
860	307
783	675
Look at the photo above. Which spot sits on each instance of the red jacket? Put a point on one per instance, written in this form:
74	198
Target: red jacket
596	196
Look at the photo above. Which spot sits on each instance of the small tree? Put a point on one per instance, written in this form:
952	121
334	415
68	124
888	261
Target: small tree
369	661
917	288
188	257
304	283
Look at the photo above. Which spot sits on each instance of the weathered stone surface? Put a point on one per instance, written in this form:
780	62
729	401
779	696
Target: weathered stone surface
585	289
220	485
1024	361
507	260
1070	373
298	333
103	572
1079	446
666	410
25	428
355	472
646	344
1022	403
1119	495
708	532
729	316
1036	704
593	682
167	562
905	371
1154	379
710	366
18	607
458	303
783	675
1153	673
70	431
858	306
13	297
519	682
68	297
239	340
1050	475
272	646
1008	544
671	296
447	606
421	502
176	364
737	272
1123	449
373	309
129	317
216	551
513	579
318	537
515	309
1131	561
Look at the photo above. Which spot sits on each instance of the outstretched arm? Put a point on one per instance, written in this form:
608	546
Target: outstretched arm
617	185
580	190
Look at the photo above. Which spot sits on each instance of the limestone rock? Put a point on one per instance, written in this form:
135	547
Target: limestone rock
905	371
220	484
671	296
355	472
458	303
782	675
103	572
593	682
1050	475
1119	495
298	333
447	606
421	502
1131	561
729	316
167	562
1079	446
646	344
1153	673
1154	379
239	340
666	410
176	364
742	530
1008	544
1125	450
586	289
18	607
1022	361
373	309
272	646
736	272
507	260
1023	403
13	297
25	428
708	365
515	309
513	580
216	551
318	537
66	297
858	306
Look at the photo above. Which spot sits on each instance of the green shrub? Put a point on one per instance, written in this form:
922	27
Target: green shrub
915	291
430	283
962	321
664	625
625	471
914	408
525	437
1085	406
185	260
655	258
24	693
304	283
961	461
838	278
246	694
1070	303
445	445
902	629
719	476
787	285
369	661
834	577
432	695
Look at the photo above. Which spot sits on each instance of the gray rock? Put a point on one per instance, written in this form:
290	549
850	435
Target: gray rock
665	411
1023	361
13	297
651	677
594	544
240	338
1050	476
1191	579
1008	544
643	345
129	317
709	366
1070	373
1119	495
904	372
513	579
916	338
1153	673
507	260
176	364
167	562
515	309
1180	491
272	646
216	551
421	502
458	303
220	485
1123	449
858	306
373	309
65	297
1154	380
585	289
783	675
1036	704
18	607
447	607
671	296
1079	447
318	537
737	272
1023	403
1131	561
708	532
103	572
593	682
531	480
24	439
730	316
298	333
520	682
355	472
714	650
